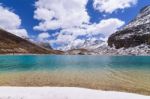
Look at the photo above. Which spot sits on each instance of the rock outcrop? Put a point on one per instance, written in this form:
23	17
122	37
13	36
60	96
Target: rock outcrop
137	32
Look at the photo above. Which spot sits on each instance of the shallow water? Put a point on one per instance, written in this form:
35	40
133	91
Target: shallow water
56	62
122	73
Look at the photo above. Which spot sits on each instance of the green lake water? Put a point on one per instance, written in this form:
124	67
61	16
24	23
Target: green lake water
53	62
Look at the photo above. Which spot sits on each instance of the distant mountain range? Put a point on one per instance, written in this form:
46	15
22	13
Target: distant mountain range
12	44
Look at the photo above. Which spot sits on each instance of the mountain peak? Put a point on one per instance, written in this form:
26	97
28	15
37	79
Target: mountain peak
137	32
145	9
142	18
144	12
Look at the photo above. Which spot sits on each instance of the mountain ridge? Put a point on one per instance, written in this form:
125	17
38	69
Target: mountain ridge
12	44
137	32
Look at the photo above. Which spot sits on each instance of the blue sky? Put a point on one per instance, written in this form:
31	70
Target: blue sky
25	9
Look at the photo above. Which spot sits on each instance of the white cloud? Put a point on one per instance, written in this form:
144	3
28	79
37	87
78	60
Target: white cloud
68	38
43	36
11	22
105	26
74	44
72	18
55	14
19	32
109	6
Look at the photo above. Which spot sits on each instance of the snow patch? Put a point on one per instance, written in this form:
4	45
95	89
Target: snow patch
63	93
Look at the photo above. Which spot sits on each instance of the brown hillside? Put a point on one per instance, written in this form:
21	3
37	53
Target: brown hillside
11	44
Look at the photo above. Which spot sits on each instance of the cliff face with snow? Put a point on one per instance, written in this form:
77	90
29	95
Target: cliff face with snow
137	32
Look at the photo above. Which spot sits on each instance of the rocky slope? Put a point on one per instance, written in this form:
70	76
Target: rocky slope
11	44
137	32
142	50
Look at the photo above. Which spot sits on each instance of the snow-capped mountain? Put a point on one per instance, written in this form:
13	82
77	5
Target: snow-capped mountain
89	42
92	44
86	44
133	39
142	18
137	32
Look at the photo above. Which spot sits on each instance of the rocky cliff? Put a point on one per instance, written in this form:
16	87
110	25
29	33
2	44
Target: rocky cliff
136	33
11	44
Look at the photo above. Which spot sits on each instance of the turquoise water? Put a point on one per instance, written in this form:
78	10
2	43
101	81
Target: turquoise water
53	62
121	73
